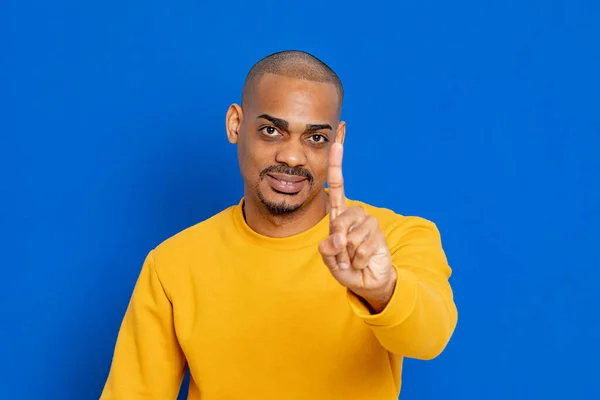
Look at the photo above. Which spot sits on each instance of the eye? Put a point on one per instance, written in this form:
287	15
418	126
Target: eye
270	130
318	139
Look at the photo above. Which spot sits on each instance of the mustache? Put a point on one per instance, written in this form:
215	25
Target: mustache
284	169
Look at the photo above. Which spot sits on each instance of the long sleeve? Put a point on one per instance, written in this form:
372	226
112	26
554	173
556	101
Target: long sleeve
147	362
421	316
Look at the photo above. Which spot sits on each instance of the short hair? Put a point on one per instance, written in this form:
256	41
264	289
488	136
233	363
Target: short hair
294	64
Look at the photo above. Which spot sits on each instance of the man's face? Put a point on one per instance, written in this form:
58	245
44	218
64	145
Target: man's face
284	138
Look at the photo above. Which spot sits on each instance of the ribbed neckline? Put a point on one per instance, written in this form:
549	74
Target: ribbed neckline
308	238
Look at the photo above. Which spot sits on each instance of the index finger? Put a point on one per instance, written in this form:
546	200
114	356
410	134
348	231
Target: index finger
335	181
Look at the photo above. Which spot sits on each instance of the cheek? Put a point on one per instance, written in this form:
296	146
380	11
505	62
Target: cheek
319	167
255	158
246	159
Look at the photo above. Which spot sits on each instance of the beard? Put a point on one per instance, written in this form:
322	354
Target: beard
278	208
283	207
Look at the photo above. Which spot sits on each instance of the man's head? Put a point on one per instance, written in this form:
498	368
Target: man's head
289	117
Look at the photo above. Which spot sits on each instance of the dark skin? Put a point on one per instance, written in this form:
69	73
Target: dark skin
290	130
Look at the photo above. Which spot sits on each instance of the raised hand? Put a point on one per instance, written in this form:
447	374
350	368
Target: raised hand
356	251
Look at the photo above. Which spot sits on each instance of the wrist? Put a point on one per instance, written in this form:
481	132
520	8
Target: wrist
377	299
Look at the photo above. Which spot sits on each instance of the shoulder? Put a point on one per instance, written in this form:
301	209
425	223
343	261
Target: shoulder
174	259
194	239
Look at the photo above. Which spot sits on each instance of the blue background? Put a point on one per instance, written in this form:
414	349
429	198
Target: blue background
483	116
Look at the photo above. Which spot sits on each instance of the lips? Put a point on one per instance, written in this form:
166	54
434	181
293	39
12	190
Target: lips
289	184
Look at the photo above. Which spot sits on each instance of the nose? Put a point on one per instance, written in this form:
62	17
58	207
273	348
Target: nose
291	153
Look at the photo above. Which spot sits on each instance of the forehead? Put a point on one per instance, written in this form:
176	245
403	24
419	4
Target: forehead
292	98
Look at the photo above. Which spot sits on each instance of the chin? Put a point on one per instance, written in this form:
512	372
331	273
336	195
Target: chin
281	204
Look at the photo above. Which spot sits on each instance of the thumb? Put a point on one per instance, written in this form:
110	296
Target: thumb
330	247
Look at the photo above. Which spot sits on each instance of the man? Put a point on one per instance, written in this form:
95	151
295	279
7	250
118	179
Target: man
296	292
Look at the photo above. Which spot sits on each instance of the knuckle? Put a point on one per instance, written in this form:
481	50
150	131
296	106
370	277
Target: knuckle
323	248
336	223
362	252
326	246
341	222
359	235
373	221
322	245
352	238
343	257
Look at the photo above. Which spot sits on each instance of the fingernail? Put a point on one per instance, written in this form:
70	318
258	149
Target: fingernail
344	266
336	241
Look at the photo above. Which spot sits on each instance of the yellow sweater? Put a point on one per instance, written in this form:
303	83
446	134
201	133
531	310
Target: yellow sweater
262	318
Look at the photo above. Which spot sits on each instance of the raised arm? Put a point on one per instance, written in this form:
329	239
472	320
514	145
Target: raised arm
420	317
397	281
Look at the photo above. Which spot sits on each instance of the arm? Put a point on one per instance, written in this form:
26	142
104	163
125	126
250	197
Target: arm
402	274
147	362
421	315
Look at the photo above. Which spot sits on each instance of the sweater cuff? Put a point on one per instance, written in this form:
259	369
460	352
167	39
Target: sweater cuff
401	304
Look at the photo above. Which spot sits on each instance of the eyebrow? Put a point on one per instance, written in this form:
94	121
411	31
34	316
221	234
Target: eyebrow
283	124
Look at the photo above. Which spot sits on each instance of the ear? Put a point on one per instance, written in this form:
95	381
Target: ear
233	122
340	133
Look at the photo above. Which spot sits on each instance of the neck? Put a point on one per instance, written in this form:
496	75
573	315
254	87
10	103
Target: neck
279	226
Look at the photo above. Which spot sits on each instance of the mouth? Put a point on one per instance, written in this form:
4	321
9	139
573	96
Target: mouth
286	184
